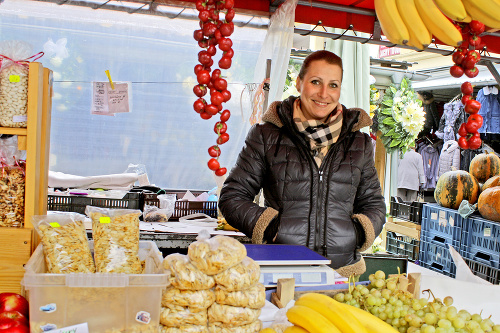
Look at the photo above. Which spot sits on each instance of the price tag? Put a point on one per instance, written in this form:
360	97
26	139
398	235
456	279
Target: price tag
442	218
451	221
104	219
14	78
434	216
54	224
487	232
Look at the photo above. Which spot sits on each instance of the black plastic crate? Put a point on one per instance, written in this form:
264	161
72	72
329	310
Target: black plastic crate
484	271
77	203
401	244
409	211
183	208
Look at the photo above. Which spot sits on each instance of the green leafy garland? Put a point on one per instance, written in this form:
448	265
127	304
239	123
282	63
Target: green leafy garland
401	117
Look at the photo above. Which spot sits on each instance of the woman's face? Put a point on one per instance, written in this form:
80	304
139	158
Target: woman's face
320	89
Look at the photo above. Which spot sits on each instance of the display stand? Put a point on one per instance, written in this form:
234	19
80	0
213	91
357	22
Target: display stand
17	244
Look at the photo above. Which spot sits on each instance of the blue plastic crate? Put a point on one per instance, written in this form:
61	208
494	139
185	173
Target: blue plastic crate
436	256
481	241
442	224
484	271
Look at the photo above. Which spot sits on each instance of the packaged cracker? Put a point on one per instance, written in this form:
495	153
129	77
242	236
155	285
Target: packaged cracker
198	299
253	297
240	276
184	329
230	316
185	275
116	239
216	254
177	316
65	245
254	327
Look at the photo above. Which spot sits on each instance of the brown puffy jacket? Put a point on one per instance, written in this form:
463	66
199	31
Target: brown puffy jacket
337	210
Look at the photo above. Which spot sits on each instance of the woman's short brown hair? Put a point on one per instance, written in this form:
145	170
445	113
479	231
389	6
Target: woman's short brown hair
327	56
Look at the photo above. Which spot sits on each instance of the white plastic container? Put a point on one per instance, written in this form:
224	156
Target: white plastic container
108	302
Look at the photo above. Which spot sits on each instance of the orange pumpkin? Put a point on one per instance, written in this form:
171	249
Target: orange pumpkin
489	204
454	186
493	181
484	166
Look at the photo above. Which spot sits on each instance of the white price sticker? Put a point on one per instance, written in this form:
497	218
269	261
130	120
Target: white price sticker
487	232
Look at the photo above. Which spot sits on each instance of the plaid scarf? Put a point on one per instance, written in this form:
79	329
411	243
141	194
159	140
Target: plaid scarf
321	135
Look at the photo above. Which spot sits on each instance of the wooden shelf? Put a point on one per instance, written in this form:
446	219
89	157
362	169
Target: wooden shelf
17	244
12	130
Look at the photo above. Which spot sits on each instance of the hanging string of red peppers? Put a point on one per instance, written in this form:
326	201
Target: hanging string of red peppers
214	32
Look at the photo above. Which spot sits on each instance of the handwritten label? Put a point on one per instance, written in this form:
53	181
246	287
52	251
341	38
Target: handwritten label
107	101
14	78
104	219
442	218
54	224
451	221
487	232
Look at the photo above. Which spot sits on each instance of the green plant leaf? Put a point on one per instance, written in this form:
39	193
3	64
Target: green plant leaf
389	121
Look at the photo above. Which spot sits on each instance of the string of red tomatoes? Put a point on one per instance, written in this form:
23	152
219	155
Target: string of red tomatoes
468	131
214	32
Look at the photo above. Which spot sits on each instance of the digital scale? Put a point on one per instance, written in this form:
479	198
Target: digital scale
280	261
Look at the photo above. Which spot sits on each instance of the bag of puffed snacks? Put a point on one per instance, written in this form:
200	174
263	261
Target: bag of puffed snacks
65	245
116	239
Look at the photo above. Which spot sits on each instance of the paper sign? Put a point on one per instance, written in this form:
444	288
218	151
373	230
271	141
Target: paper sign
451	221
54	224
107	101
19	119
104	219
442	218
14	78
487	232
80	328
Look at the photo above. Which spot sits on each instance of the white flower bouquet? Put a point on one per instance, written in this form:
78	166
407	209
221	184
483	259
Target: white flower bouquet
401	117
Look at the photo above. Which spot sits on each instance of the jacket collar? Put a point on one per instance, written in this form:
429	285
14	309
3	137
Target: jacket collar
356	118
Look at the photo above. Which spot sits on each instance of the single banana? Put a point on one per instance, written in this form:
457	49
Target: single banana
391	22
420	37
333	311
437	23
310	320
267	330
454	9
372	323
294	329
484	16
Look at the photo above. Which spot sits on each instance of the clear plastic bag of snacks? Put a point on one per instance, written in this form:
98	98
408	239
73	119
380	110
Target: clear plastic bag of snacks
185	275
215	255
253	297
176	316
12	188
230	316
241	276
116	239
65	245
198	299
185	329
16	56
253	327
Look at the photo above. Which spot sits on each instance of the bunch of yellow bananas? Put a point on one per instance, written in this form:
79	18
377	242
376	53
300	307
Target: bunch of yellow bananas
318	313
223	225
414	22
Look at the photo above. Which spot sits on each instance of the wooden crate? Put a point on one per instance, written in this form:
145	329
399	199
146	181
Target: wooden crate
403	227
15	250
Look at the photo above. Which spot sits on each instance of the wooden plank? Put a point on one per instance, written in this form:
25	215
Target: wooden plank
404	228
35	96
45	141
380	158
13	130
15	251
21	142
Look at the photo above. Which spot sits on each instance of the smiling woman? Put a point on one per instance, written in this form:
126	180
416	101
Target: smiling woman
157	56
316	170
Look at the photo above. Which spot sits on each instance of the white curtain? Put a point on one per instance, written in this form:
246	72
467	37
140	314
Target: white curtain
356	62
277	45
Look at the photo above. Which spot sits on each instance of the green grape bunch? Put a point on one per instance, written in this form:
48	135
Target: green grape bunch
388	299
